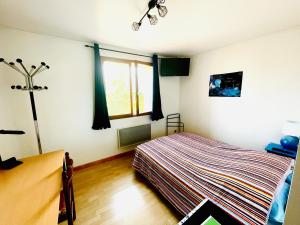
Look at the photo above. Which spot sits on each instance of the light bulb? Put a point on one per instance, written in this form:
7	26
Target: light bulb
152	19
160	1
162	10
136	26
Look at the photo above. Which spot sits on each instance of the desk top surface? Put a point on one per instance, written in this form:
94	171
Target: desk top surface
30	192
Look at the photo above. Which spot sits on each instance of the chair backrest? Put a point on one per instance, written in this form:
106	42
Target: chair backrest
68	167
67	176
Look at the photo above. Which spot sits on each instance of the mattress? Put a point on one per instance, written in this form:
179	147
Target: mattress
187	168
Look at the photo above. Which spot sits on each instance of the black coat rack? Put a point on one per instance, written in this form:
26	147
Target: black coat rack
29	75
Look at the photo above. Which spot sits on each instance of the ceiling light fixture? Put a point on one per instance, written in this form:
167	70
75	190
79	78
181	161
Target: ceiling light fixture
152	19
162	11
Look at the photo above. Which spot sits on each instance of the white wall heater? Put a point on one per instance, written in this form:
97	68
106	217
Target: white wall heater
131	136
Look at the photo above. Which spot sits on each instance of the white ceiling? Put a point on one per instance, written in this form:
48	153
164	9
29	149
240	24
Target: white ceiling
191	26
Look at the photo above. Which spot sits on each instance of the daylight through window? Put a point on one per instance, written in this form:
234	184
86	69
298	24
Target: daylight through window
128	87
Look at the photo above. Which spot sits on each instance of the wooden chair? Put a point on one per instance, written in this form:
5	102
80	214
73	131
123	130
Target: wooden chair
67	202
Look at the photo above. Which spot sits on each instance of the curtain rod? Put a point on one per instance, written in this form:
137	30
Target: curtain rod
112	50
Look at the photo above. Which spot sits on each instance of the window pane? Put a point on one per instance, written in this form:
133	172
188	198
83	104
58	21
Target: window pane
117	87
145	86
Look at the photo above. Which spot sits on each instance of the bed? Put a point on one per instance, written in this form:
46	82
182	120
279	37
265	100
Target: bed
187	168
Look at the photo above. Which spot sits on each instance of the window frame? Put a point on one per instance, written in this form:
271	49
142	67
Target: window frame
132	75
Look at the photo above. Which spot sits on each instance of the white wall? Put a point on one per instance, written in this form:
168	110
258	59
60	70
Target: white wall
65	111
270	95
270	91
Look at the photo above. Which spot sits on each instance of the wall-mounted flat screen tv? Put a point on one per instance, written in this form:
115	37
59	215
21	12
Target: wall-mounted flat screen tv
174	66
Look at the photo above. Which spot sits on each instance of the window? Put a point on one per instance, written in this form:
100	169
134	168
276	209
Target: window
128	87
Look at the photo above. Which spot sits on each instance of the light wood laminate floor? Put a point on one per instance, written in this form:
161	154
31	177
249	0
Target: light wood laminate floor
112	193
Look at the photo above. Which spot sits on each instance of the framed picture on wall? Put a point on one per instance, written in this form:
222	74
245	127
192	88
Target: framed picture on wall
226	85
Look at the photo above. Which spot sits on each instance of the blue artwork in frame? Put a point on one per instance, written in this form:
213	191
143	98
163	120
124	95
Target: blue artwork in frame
226	85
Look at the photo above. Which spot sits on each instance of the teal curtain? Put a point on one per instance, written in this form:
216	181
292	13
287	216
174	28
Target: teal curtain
101	117
156	102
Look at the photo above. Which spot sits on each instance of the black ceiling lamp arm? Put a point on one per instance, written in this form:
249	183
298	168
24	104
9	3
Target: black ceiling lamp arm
140	22
152	18
151	5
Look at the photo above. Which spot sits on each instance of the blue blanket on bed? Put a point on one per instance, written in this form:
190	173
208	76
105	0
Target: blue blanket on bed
277	213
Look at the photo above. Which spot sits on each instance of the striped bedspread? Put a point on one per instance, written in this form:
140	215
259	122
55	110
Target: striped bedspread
187	168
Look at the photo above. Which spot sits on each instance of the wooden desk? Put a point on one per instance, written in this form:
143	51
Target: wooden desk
29	193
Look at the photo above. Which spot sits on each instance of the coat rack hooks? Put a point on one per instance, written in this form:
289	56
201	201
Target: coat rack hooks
28	75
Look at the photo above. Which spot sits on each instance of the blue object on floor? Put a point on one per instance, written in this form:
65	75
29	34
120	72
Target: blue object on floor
290	142
279	150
